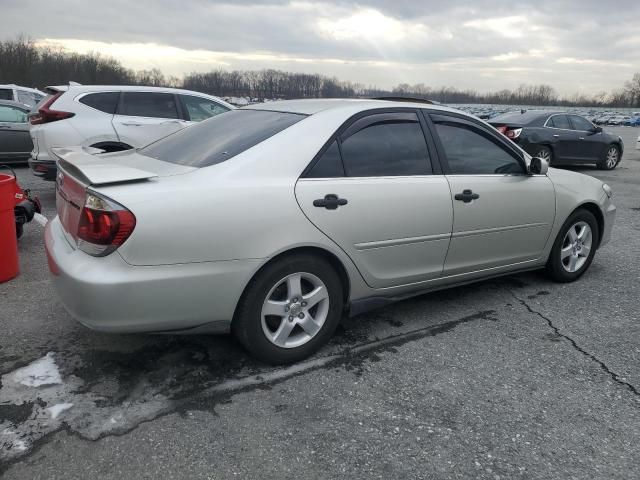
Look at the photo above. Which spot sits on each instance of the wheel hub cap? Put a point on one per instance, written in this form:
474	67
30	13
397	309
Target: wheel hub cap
295	310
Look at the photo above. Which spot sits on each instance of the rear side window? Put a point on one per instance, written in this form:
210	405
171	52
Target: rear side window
559	121
329	165
6	94
220	138
28	98
199	109
389	145
104	101
148	104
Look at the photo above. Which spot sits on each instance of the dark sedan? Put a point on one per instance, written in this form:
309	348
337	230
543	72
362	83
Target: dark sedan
15	142
561	138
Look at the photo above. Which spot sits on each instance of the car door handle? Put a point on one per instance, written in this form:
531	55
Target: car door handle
556	136
330	202
467	196
581	138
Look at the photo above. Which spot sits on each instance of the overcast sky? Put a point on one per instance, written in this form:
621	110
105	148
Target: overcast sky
574	45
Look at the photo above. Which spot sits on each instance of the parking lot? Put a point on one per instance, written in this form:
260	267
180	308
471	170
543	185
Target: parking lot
516	377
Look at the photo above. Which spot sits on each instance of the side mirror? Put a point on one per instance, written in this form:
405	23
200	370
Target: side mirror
597	130
538	166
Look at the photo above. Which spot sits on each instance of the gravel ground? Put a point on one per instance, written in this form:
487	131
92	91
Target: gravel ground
510	378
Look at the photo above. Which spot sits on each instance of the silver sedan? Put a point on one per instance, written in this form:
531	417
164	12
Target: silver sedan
274	220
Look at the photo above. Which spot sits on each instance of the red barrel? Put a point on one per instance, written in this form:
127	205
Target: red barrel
9	266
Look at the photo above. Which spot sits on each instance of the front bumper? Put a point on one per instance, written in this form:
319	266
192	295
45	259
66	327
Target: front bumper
609	212
110	295
45	169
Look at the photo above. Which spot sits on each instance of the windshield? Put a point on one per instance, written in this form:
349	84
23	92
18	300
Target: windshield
220	138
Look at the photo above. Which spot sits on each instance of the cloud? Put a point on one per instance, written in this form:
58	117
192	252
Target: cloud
569	44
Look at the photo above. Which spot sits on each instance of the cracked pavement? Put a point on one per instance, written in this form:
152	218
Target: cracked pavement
516	377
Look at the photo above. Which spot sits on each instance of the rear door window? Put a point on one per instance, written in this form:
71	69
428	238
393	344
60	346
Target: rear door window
560	121
329	165
386	144
10	114
148	104
221	137
198	109
104	101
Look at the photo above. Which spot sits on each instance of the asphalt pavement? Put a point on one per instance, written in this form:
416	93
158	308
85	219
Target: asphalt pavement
516	377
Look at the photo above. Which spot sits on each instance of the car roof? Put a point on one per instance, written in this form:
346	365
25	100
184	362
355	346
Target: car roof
11	103
19	87
312	106
77	88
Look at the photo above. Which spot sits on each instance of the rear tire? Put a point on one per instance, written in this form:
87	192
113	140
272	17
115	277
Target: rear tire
574	247
611	158
545	153
290	309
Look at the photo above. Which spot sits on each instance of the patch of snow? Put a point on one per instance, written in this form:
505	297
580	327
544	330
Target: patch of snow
41	219
43	371
14	443
58	409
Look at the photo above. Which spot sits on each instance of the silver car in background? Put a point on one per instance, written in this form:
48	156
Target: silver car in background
273	220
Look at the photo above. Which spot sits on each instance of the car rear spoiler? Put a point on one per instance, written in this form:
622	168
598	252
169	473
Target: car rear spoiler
86	167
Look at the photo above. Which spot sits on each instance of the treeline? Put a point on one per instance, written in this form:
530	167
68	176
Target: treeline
24	63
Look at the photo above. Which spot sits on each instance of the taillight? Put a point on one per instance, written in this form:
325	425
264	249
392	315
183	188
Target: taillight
104	225
46	114
513	133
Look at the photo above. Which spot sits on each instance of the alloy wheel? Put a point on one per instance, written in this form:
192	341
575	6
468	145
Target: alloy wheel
544	154
576	247
612	157
295	310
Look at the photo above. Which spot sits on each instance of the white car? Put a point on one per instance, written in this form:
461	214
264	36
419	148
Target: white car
271	220
112	118
24	95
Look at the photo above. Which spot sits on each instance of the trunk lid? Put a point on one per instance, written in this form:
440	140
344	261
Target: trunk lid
79	168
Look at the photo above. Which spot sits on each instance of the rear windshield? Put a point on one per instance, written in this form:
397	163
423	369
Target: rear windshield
517	117
6	94
220	138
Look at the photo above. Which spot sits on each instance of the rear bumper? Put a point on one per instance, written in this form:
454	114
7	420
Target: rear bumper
110	295
45	169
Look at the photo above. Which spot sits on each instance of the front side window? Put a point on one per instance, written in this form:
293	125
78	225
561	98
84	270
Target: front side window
387	147
104	101
220	138
581	124
470	152
149	104
199	109
10	114
560	121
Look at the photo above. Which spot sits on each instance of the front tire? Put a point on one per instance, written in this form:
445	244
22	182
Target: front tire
611	158
574	247
290	309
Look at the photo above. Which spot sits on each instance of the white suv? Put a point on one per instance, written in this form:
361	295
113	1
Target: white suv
112	118
24	95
